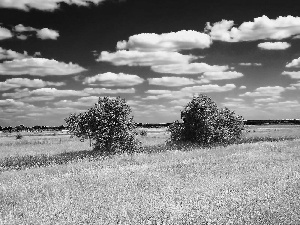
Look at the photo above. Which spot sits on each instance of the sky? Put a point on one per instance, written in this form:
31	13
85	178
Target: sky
58	57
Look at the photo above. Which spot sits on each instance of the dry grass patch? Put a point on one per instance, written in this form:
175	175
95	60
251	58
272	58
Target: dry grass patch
240	184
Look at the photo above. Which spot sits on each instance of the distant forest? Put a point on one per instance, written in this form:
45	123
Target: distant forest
38	128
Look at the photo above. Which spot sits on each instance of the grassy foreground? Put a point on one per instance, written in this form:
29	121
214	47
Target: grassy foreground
256	183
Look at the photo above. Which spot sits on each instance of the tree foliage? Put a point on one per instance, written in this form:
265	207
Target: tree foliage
205	124
108	125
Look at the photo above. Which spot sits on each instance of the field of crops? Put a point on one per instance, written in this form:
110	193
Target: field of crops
50	178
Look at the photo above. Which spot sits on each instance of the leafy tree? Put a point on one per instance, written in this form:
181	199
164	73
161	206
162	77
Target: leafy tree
108	125
205	124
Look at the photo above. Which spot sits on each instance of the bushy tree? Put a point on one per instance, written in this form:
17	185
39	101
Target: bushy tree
108	125
203	123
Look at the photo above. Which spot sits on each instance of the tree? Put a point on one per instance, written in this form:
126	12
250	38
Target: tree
204	124
108	124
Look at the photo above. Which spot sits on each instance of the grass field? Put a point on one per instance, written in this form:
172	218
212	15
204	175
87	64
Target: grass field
250	183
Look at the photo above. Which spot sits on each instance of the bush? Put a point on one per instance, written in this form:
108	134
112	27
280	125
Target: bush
108	124
143	133
205	124
19	136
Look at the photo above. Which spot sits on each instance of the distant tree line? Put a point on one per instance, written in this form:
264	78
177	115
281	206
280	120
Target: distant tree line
35	128
38	128
266	122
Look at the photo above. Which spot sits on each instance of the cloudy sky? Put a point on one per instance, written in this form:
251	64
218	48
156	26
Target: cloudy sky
58	56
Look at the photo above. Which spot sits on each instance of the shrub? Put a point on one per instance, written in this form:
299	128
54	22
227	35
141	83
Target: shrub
143	133
19	136
108	124
205	124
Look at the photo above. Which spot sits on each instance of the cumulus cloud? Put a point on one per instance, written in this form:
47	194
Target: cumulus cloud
265	100
222	75
22	37
21	28
171	81
111	79
136	58
38	67
292	74
47	33
294	86
184	68
158	92
284	105
294	63
10	103
260	29
108	91
52	92
10	54
25	82
188	91
5	33
265	91
234	99
44	33
174	41
81	102
208	88
44	5
250	64
274	45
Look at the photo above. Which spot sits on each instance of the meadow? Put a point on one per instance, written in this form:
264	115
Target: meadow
50	178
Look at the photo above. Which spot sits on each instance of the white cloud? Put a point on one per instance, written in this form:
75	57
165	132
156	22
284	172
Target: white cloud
10	103
292	74
265	91
81	102
184	68
250	64
25	82
297	36
180	102
294	63
234	99
46	33
174	41
52	92
21	28
38	67
284	105
188	91
95	91
22	37
171	81
274	45
136	58
111	79
10	54
264	100
294	86
243	87
44	5
260	29
222	75
208	88
38	98
5	33
158	92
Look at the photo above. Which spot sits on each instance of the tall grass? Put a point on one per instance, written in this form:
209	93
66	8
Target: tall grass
257	183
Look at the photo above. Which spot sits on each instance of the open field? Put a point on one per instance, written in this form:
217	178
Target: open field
251	183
